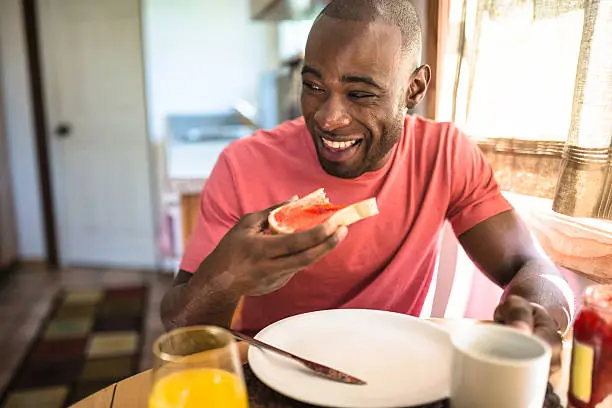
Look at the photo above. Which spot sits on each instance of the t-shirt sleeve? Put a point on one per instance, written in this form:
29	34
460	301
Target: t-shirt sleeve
219	211
474	193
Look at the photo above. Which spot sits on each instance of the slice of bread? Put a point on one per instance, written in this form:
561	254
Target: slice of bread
355	212
343	217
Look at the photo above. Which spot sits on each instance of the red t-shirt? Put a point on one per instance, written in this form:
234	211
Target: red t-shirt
386	262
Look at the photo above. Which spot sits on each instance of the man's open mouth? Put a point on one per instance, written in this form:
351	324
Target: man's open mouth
340	145
339	150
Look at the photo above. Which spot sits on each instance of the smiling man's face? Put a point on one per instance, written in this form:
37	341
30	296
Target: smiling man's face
357	86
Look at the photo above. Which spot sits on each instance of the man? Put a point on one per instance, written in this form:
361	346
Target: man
361	75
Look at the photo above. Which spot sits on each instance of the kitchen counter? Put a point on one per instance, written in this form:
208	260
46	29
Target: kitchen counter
184	186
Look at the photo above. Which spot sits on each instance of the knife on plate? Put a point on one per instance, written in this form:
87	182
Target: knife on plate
327	372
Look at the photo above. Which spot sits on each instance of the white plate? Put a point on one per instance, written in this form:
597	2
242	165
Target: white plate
405	361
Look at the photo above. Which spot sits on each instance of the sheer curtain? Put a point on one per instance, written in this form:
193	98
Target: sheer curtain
531	82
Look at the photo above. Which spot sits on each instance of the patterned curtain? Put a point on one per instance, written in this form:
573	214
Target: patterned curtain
531	82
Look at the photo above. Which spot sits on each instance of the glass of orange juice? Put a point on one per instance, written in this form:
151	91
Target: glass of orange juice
197	366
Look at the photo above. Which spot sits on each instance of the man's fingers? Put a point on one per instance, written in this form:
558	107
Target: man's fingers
295	262
282	269
545	328
276	246
516	312
532	318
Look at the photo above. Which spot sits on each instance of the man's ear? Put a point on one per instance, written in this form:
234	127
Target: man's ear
419	81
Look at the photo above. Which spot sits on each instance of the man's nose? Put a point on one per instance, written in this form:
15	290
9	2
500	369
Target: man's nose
332	114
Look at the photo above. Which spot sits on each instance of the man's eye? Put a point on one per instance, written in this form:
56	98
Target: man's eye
312	87
361	95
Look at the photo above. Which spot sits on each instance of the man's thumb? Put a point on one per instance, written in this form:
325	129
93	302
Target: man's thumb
259	220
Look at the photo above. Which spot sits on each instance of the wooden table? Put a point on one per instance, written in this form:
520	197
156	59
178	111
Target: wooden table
133	392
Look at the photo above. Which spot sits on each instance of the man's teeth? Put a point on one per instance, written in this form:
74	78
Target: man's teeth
338	145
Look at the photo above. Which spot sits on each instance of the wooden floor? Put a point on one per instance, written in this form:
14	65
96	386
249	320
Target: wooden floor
26	296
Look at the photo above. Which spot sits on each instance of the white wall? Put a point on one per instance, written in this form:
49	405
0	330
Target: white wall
292	37
20	131
203	55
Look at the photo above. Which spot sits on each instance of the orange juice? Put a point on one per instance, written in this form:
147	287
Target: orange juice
197	388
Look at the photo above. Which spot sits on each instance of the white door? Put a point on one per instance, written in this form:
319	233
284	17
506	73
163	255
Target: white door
94	83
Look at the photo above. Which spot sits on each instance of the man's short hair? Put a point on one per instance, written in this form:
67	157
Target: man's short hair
400	13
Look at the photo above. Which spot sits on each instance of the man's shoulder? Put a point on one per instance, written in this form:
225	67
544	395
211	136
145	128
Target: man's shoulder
432	136
265	143
423	126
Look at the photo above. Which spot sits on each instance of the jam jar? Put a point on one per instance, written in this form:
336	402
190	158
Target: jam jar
591	366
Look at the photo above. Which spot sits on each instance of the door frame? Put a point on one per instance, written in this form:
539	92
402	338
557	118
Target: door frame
39	24
37	86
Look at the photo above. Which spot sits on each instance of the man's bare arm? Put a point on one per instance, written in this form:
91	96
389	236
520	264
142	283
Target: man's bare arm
198	299
503	248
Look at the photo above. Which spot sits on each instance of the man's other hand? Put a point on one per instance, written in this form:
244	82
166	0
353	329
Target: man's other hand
531	318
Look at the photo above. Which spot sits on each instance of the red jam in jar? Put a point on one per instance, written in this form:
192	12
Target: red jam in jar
591	369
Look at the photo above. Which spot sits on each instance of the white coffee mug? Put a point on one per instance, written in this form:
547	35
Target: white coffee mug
498	366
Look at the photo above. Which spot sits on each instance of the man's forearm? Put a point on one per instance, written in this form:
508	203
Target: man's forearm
201	300
540	282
